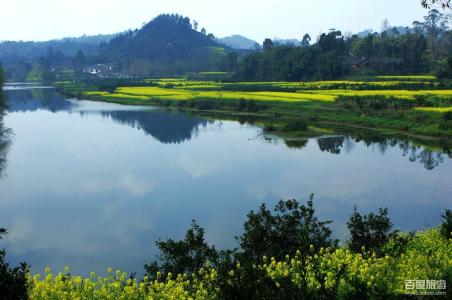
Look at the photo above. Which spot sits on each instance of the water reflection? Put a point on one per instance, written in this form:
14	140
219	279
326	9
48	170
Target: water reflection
166	127
176	128
415	153
29	100
331	144
87	189
5	138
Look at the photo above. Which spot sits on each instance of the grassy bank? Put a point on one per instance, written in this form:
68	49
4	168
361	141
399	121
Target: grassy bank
413	105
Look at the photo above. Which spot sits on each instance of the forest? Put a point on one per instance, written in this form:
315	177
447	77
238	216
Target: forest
173	45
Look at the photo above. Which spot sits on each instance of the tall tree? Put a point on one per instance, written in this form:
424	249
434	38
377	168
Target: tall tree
79	61
306	40
384	25
445	4
268	44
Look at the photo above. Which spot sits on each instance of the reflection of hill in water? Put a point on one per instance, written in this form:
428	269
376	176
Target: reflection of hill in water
430	159
36	99
166	127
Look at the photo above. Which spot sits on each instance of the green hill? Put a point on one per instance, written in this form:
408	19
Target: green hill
167	44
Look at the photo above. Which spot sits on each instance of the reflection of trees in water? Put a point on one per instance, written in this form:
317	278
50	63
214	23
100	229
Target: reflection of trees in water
332	144
430	159
5	142
296	144
5	139
35	99
166	127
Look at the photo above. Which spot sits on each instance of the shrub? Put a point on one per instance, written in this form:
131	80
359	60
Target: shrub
292	227
369	232
270	127
447	116
446	226
186	256
13	281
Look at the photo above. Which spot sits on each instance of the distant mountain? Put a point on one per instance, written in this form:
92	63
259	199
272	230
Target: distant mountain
10	50
237	41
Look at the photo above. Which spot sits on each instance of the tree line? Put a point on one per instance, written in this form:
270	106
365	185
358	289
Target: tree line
424	48
171	45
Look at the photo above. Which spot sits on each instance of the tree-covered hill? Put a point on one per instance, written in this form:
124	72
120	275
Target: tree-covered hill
167	44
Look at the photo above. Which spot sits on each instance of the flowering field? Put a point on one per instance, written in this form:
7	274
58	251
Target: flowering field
198	91
407	104
425	266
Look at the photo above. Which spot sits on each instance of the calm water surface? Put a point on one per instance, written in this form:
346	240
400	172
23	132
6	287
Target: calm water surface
93	185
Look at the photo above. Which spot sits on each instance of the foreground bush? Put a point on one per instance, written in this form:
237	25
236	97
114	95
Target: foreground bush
13	280
347	275
323	273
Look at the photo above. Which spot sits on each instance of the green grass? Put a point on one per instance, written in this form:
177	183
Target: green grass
434	109
411	107
408	77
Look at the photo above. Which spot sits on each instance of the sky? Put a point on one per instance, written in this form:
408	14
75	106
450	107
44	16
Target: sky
257	19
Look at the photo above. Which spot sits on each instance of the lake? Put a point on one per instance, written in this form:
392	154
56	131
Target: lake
93	185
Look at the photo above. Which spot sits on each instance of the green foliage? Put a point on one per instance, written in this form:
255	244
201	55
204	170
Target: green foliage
166	45
186	256
293	227
285	255
406	104
13	281
448	116
296	125
79	61
446	226
116	286
40	73
321	273
369	232
341	274
290	63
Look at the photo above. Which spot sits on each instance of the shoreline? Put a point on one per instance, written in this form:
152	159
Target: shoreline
267	117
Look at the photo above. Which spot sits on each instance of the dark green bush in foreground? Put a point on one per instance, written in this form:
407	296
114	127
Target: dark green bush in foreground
13	281
284	253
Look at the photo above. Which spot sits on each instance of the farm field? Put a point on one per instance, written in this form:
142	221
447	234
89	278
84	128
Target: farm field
405	105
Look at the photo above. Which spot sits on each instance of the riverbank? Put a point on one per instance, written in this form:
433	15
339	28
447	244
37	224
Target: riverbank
415	107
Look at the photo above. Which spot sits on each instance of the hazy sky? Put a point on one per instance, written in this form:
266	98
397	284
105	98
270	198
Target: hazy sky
257	19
